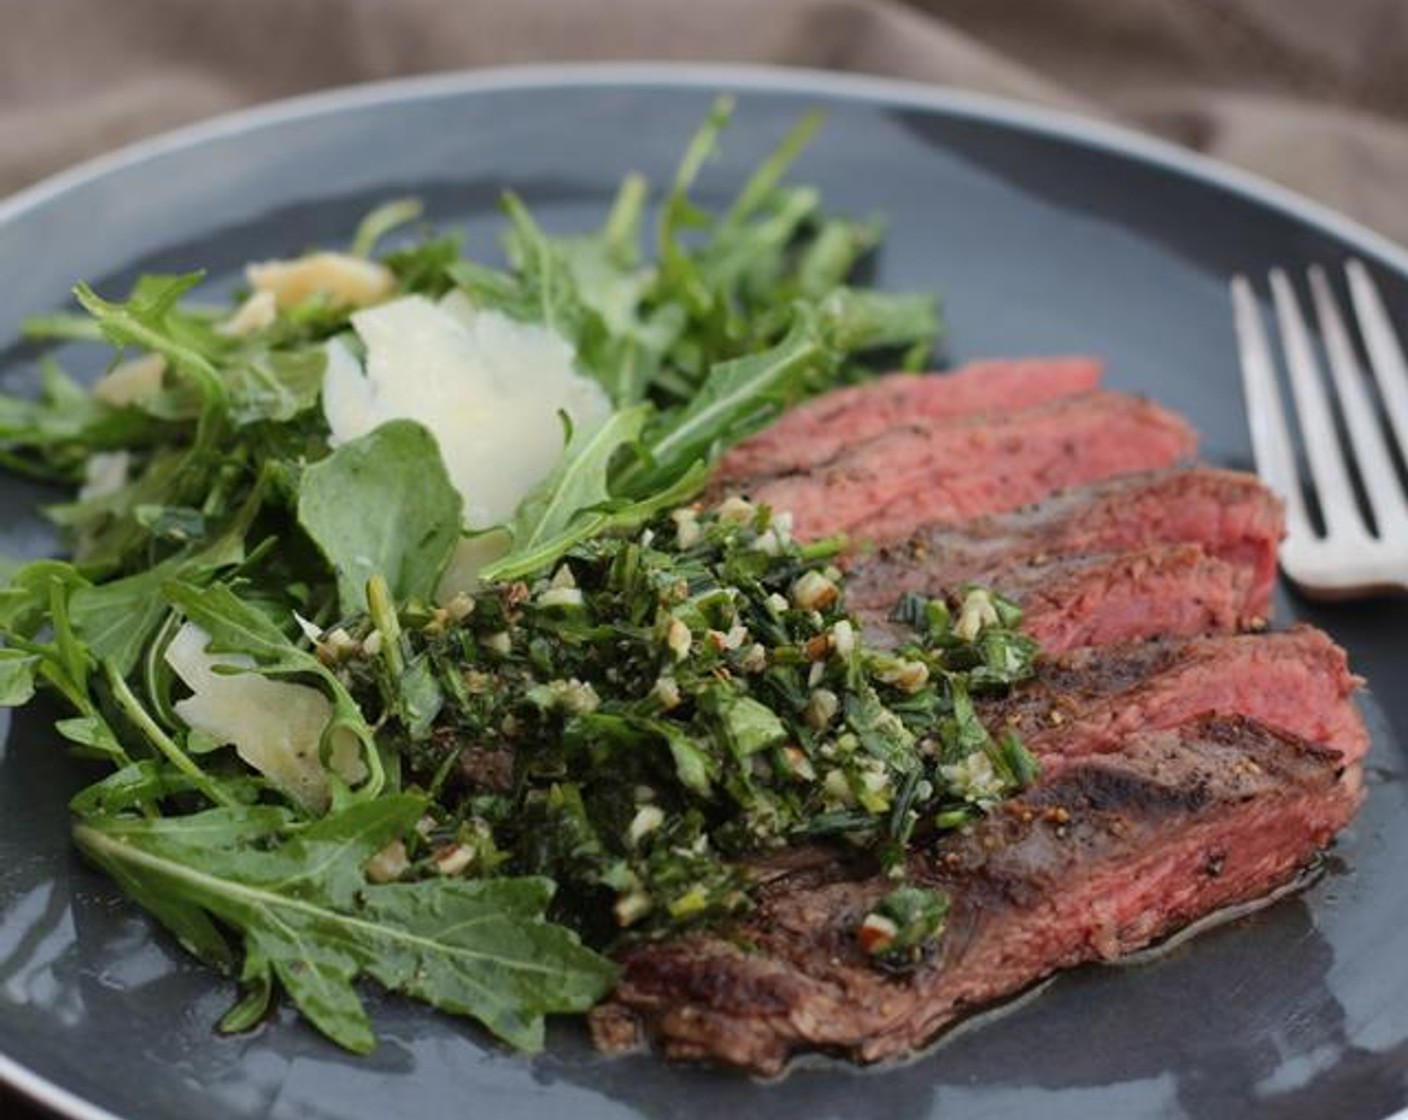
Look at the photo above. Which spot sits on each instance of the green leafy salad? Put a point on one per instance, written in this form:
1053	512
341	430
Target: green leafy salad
405	645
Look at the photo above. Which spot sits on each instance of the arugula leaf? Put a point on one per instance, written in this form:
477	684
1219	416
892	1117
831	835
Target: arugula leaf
188	923
190	467
488	287
738	397
425	268
541	269
237	626
173	523
93	737
411	688
24	601
149	320
118	618
383	505
37	605
383	220
105	531
185	919
834	252
476	948
679	214
275	386
138	785
762	184
576	501
65	418
61	326
257	984
623	339
17	670
579	483
855	320
213	790
745	724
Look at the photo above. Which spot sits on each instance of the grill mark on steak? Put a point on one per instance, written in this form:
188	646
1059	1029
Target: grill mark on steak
1088	701
1231	514
1106	857
816	431
883	488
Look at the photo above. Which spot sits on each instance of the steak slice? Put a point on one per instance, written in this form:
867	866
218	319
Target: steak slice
1231	514
1089	701
1161	592
1173	592
1109	856
814	432
883	488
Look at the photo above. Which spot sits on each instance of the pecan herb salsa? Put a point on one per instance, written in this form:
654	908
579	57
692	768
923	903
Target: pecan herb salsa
664	703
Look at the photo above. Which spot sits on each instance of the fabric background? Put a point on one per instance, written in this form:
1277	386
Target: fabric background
1312	93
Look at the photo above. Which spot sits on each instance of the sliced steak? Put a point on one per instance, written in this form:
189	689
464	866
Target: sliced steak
883	488
816	431
1231	514
1107	857
1173	592
1089	701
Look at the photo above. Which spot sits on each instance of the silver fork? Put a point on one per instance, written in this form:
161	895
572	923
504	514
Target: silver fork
1351	558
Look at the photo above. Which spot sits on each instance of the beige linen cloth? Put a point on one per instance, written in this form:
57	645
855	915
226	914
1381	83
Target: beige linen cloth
1311	93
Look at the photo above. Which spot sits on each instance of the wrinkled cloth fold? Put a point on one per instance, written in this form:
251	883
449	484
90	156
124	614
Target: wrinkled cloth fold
1310	93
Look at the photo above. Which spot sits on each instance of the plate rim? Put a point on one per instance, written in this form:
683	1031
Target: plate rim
1062	124
742	78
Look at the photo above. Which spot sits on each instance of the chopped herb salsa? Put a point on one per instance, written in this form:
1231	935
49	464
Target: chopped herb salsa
638	722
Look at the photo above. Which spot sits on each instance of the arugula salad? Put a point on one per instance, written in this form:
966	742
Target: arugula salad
402	644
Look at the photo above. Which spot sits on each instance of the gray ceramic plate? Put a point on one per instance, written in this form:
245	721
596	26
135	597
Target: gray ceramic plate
1043	234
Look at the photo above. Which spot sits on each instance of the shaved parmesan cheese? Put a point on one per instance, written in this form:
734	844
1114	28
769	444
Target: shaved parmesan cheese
471	555
254	314
348	406
342	280
104	474
489	388
457	303
128	382
275	726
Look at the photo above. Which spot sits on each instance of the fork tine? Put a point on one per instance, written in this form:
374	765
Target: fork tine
1385	355
1366	437
1327	467
1271	441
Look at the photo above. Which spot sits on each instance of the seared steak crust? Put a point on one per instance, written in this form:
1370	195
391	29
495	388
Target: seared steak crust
1110	855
